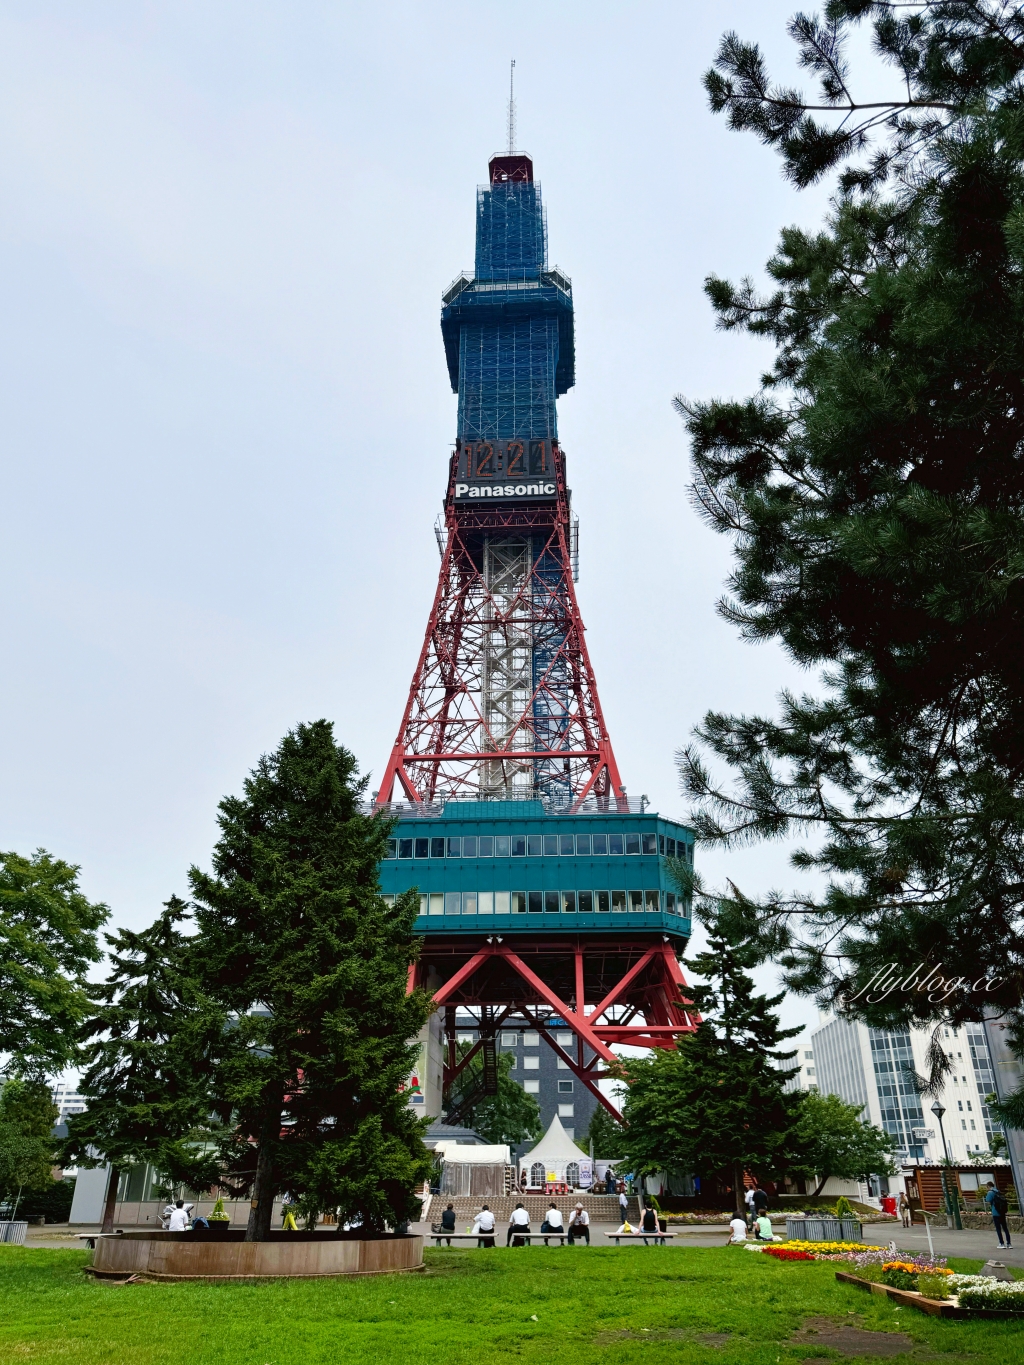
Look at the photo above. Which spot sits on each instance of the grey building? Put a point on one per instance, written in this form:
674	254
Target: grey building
542	1073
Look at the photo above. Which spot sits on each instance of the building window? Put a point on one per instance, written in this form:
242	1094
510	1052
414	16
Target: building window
550	902
586	902
392	849
562	1064
810	1071
670	847
531	1039
809	1056
535	845
603	904
437	848
600	845
633	844
653	901
531	1063
567	845
509	1039
582	845
502	844
661	844
531	1087
464	1038
422	849
565	1111
469	848
563	1039
405	848
568	902
649	843
572	1173
550	845
565	1087
615	845
486	846
454	848
636	902
518	845
618	902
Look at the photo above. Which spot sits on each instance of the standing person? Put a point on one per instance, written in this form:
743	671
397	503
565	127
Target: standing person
179	1221
751	1211
609	1181
737	1230
760	1202
998	1206
904	1209
552	1221
519	1222
579	1225
623	1203
448	1221
483	1226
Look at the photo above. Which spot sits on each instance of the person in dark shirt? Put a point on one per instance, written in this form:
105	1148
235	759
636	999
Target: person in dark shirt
448	1221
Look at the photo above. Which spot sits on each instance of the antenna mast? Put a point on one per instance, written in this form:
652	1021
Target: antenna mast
511	108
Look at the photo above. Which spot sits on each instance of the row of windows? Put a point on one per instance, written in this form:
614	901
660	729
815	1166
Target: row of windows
528	1038
539	846
545	902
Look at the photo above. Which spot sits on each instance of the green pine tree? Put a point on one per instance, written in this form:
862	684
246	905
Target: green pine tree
148	1100
874	496
297	944
716	1105
605	1133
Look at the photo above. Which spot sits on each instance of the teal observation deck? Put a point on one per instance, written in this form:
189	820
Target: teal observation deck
514	867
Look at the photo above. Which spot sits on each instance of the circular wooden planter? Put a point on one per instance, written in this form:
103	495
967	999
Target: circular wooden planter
188	1256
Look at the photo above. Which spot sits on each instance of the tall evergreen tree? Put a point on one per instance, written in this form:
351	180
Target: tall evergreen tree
716	1105
146	1081
47	943
297	944
874	494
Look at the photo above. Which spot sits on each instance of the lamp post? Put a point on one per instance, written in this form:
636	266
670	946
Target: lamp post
952	1203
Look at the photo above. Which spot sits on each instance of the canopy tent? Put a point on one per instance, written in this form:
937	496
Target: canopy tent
556	1160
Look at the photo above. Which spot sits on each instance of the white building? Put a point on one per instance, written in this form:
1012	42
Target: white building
805	1077
67	1099
871	1067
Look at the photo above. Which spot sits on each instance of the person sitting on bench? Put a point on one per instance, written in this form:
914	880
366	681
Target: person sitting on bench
519	1222
649	1222
552	1221
448	1221
483	1226
579	1225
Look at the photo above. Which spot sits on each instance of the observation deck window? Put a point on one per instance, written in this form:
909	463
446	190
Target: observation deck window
422	848
405	848
649	843
615	845
469	843
568	902
392	849
437	848
600	845
535	845
501	845
566	845
486	846
586	902
583	845
670	848
454	848
636	902
536	902
518	845
632	843
603	901
618	902
551	902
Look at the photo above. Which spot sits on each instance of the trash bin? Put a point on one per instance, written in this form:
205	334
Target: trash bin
13	1233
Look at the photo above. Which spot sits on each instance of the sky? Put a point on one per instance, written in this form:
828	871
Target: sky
224	234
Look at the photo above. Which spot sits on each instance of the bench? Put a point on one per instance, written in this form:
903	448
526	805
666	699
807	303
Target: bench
528	1237
655	1237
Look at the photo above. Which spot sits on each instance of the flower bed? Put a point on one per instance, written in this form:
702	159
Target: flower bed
785	1253
993	1294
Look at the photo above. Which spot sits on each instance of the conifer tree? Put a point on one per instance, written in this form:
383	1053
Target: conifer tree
716	1105
605	1133
297	945
874	494
147	1048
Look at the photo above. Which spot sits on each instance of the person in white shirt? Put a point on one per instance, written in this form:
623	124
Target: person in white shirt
483	1226
748	1199
624	1203
179	1218
579	1225
552	1221
519	1222
737	1230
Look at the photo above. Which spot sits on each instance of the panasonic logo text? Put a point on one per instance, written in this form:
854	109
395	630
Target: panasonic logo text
504	490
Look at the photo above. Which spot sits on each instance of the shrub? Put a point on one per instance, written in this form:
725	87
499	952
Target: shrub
935	1284
844	1209
218	1215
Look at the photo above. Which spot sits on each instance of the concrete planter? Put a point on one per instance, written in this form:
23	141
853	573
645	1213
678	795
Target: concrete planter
184	1256
822	1230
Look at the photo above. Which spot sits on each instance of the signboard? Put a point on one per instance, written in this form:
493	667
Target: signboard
504	461
537	488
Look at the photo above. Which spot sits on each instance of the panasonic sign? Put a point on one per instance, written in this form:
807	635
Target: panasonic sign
537	489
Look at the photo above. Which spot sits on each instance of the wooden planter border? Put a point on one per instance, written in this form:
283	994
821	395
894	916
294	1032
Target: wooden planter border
936	1308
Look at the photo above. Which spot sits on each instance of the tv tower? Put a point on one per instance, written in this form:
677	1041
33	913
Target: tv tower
547	896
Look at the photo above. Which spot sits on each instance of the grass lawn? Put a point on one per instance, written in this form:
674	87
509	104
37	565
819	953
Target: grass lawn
621	1304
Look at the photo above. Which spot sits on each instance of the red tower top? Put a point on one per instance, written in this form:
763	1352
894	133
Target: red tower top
510	166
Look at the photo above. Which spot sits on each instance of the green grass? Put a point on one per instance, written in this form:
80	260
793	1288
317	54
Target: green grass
470	1307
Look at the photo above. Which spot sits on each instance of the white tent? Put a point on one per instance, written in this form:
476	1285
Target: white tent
473	1154
556	1159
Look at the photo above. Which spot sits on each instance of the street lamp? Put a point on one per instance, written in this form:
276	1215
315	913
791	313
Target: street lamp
952	1204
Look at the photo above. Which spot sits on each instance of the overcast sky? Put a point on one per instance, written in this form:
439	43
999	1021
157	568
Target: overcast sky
224	233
